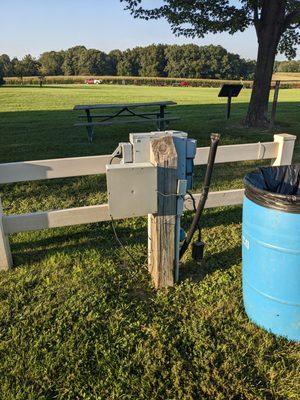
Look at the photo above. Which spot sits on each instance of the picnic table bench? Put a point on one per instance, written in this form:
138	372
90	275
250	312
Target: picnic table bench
127	110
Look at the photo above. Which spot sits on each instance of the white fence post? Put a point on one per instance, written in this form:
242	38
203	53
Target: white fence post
5	253
286	144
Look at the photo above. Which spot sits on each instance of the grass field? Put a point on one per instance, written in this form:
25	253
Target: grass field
78	320
287	76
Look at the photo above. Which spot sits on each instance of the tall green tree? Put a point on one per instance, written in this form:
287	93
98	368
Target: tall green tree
18	68
6	65
51	62
94	62
72	59
114	59
1	76
288	66
276	23
29	65
192	61
129	64
153	60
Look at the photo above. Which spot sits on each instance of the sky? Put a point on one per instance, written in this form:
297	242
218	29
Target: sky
35	26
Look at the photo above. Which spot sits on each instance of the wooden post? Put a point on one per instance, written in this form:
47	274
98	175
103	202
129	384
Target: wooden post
286	144
274	105
162	225
5	253
228	106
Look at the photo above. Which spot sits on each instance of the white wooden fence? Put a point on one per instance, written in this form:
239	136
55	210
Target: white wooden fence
280	150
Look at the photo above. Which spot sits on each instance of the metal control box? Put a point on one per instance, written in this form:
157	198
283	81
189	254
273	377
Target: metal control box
132	184
132	189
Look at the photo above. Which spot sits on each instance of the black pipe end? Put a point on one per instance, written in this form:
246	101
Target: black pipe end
215	136
198	251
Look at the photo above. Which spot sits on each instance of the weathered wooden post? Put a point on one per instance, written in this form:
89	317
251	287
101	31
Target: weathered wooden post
274	105
162	224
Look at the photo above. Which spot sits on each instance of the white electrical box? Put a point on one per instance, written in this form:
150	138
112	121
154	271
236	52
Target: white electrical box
131	189
141	143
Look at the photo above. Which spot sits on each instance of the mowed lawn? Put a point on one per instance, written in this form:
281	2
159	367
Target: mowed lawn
79	319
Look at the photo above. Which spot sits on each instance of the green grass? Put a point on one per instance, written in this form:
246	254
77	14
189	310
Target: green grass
78	320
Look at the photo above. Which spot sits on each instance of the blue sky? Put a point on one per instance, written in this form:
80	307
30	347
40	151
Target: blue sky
34	26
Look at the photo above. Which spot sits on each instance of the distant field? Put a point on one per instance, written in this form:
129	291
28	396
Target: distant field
287	76
289	80
80	320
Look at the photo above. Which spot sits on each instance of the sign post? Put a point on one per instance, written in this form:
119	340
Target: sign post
229	91
274	105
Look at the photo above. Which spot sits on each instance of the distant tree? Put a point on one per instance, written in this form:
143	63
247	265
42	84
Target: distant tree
94	62
276	22
18	69
71	64
192	61
29	66
1	76
42	73
51	62
129	64
288	66
183	61
153	60
114	59
249	69
6	65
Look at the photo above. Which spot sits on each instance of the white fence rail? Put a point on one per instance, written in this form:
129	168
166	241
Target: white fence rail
280	150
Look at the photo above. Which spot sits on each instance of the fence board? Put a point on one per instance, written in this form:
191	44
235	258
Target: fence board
55	168
239	152
81	166
84	215
218	199
54	219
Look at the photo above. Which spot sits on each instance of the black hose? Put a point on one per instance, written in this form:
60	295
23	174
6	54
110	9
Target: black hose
214	142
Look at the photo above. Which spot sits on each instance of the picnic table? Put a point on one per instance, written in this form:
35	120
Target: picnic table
127	110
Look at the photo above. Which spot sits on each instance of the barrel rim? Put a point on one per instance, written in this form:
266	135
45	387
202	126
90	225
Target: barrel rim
276	201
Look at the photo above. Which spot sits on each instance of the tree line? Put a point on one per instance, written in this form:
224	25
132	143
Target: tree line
174	61
287	66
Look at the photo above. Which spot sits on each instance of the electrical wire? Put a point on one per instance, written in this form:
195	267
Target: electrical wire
200	207
111	160
195	209
193	200
134	261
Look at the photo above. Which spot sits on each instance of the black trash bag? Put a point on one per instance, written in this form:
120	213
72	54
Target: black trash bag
275	187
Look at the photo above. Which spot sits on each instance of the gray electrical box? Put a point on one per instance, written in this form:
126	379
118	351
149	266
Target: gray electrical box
132	189
132	184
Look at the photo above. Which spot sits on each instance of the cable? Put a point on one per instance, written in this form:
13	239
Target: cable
215	137
193	200
135	262
195	209
111	160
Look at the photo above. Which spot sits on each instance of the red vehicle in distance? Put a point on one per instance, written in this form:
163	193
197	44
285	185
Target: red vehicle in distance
93	81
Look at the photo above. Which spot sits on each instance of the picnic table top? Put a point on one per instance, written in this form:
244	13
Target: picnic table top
123	105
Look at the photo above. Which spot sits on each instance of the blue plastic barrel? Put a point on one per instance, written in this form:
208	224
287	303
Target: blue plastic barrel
271	250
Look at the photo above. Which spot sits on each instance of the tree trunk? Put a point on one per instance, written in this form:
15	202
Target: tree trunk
269	30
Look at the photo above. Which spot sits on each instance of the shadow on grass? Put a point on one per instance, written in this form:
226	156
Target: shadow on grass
29	135
33	135
100	237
